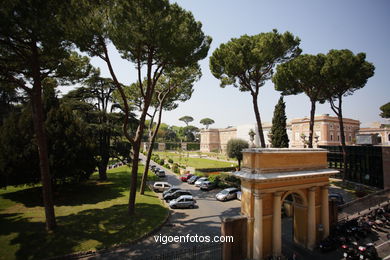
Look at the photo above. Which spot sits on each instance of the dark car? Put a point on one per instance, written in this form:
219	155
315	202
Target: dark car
160	173
186	177
207	185
193	179
176	194
171	190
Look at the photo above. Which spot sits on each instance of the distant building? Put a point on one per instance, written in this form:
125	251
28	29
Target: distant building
382	130
326	131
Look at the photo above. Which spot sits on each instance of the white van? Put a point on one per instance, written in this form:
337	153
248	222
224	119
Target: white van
161	186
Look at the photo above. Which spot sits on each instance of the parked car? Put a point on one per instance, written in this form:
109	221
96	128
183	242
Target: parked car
337	197
239	194
152	167
160	173
186	177
227	194
193	179
207	185
171	190
176	194
161	186
199	181
184	201
156	169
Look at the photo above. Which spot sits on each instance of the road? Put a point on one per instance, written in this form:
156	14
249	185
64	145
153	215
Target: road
204	220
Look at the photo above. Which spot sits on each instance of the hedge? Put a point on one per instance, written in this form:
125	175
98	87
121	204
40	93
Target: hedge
225	169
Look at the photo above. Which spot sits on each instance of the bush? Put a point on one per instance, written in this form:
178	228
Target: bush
167	166
170	160
175	168
225	180
161	162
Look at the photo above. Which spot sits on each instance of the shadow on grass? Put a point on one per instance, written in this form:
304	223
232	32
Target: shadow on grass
90	192
89	229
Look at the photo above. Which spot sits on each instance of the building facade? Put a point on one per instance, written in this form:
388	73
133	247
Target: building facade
381	130
326	132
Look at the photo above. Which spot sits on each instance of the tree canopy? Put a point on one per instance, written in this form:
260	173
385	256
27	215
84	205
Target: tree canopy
385	110
234	149
186	119
247	63
207	121
279	137
303	75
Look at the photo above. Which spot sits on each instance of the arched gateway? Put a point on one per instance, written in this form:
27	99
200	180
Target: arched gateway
268	177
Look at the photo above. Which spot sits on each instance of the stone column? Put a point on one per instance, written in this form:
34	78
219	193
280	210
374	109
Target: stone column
311	218
277	225
258	227
325	210
249	249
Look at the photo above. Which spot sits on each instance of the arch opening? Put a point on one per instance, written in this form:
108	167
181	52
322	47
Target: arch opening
294	214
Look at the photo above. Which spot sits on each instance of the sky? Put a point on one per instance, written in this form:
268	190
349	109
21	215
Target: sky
361	26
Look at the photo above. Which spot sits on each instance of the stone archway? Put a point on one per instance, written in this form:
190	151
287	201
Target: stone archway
268	176
296	209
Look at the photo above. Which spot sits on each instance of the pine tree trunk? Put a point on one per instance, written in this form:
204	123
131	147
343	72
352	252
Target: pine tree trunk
38	120
312	115
150	150
258	120
342	136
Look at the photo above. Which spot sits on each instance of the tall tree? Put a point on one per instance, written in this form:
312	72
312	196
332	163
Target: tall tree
175	86
385	110
206	122
303	75
70	145
247	63
186	119
97	92
154	35
33	47
345	73
279	137
234	149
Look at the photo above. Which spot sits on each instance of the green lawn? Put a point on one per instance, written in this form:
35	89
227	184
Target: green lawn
90	216
193	162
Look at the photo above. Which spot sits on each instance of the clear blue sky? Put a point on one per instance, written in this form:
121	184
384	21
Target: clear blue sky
361	26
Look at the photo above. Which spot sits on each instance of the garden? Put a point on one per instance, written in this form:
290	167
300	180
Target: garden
90	216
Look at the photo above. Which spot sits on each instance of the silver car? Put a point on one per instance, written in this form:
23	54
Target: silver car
161	186
184	201
199	181
227	194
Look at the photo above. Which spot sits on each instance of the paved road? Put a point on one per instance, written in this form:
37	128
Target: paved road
203	220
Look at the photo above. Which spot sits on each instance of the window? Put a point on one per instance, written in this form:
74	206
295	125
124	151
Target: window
388	138
331	137
338	137
350	138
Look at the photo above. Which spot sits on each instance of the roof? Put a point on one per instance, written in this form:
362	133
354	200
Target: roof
161	182
185	197
275	176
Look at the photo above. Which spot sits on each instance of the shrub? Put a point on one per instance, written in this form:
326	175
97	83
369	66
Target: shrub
161	162
167	166
175	168
170	160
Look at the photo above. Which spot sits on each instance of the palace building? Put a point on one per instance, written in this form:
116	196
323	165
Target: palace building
326	132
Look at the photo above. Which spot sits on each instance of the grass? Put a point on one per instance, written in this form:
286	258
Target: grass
193	162
90	216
